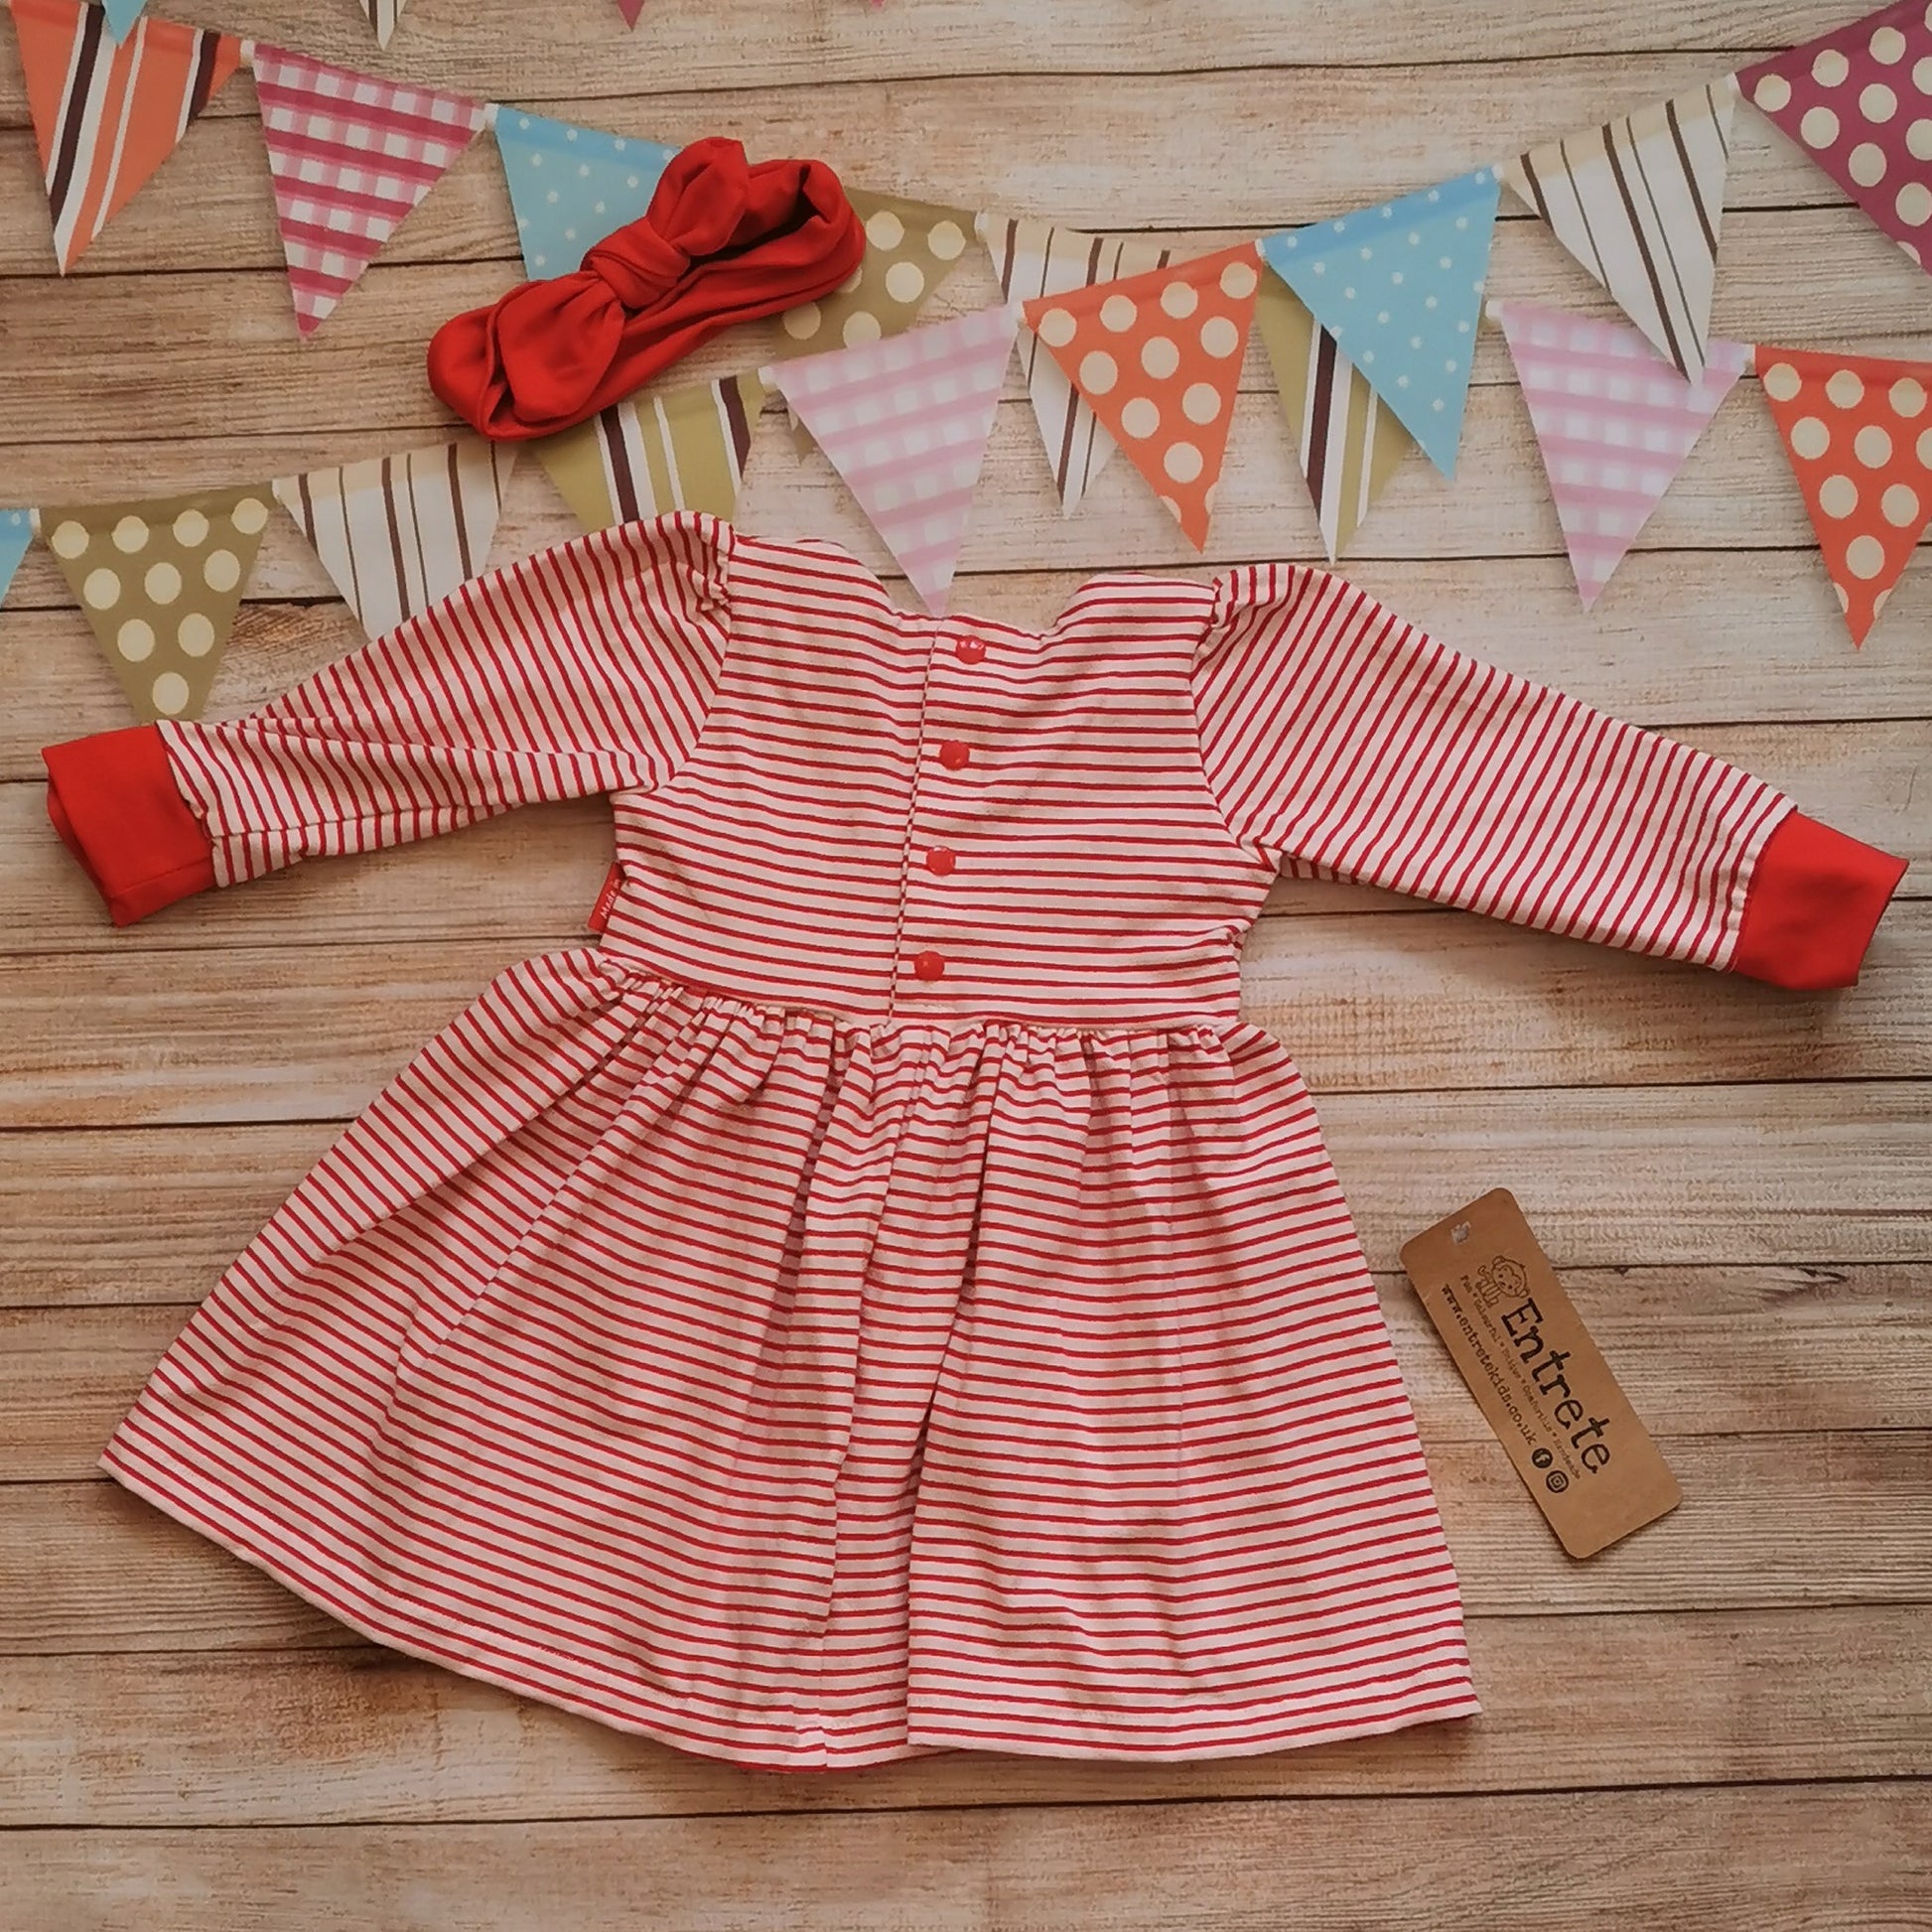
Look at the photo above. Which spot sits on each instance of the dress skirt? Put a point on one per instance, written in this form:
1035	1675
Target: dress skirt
812	1392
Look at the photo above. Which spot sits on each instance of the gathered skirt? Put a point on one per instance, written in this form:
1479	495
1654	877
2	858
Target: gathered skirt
812	1391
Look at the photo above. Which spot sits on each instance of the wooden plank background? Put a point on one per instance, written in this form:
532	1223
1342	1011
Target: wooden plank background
1725	1721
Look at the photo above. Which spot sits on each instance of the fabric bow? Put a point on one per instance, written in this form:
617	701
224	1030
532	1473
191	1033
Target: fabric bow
723	241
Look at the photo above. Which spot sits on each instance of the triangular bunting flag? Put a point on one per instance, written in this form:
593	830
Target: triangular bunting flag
351	155
1858	433
1157	357
1655	248
1614	422
910	248
904	422
122	15
384	15
106	113
569	186
400	532
1348	443
160	582
630	9
16	533
648	455
1854	99
1035	258
1400	288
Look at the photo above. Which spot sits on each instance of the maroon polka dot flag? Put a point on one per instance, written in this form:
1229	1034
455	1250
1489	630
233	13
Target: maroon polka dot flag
1858	101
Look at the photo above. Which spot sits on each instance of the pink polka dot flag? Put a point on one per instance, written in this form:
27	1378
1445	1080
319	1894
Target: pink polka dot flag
905	420
1157	357
1858	432
1614	422
1858	101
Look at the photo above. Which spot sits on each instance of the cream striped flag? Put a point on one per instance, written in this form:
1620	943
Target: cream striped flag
384	15
651	455
1348	444
1638	202
1035	258
399	533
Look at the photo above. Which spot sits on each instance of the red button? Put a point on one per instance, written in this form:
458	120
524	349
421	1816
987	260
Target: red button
954	756
969	651
939	861
929	966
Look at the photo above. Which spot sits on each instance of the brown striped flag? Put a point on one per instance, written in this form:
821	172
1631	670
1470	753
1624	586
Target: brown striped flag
1638	202
1033	258
397	533
107	113
648	455
1348	444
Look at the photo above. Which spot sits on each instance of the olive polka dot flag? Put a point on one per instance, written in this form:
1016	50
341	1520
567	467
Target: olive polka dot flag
570	186
1400	288
1157	357
1858	432
160	582
1858	101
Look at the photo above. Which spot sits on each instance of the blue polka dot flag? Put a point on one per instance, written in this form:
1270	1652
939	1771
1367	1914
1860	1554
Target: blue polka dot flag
16	532
569	186
1400	288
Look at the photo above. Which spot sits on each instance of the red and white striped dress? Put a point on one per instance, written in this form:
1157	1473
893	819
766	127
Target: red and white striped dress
883	1296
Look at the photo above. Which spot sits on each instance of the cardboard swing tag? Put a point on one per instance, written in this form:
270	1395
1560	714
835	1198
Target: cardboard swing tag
1537	1376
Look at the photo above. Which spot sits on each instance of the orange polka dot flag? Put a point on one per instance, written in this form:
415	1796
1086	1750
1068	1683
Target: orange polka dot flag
1157	357
1858	432
1858	101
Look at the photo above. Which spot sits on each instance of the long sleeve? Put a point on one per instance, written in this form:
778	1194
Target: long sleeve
1343	743
587	668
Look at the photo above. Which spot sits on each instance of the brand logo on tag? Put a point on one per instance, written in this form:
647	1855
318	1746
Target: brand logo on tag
1537	1376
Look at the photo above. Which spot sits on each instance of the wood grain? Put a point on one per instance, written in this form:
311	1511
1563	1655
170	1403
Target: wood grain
1830	1857
353	1735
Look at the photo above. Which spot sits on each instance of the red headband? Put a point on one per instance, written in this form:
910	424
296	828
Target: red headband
723	241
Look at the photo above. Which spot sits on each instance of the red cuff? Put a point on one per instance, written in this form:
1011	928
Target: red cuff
1812	904
113	800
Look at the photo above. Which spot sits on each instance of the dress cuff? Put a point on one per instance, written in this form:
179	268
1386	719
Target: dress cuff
1814	900
113	800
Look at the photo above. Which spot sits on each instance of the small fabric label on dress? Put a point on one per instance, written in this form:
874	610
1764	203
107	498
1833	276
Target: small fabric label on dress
608	898
1537	1376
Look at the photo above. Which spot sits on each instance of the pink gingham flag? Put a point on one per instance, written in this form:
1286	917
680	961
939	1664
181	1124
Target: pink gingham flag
905	421
351	156
1614	422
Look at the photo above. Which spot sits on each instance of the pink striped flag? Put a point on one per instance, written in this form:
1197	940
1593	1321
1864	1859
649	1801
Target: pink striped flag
351	156
1614	421
905	421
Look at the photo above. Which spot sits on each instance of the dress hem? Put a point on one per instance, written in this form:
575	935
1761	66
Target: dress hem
475	1657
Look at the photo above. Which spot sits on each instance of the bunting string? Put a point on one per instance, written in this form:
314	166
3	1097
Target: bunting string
1368	319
